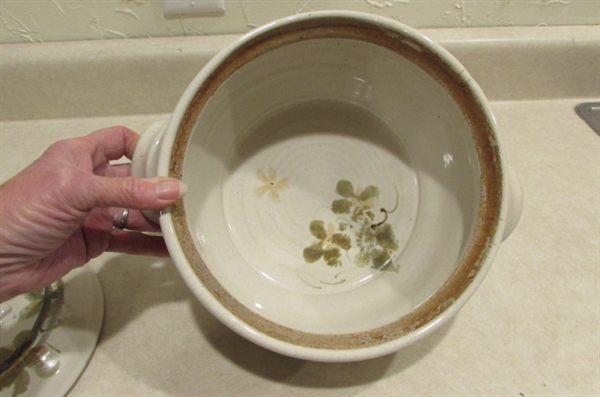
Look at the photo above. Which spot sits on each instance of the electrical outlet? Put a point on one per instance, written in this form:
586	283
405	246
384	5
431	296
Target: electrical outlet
178	8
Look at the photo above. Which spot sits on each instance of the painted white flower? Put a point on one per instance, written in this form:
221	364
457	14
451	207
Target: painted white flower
271	185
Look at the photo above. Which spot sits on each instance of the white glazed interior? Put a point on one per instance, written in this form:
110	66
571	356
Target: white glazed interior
317	111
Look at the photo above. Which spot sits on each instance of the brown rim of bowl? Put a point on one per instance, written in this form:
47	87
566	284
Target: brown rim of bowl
483	134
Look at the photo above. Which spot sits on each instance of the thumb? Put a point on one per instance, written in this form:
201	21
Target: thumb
139	193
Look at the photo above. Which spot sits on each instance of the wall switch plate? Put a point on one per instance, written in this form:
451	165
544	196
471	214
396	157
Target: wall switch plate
180	8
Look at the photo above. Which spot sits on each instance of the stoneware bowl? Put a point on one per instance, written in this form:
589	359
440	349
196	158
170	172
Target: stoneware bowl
347	187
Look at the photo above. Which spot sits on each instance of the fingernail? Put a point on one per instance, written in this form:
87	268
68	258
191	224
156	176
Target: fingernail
169	189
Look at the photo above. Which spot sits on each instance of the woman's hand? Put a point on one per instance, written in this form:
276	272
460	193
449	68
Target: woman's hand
59	212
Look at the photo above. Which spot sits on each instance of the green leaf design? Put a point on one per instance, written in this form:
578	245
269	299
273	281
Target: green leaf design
380	259
375	240
22	381
341	206
344	188
341	240
21	337
15	375
5	352
35	296
313	253
369	192
385	237
32	309
317	229
332	257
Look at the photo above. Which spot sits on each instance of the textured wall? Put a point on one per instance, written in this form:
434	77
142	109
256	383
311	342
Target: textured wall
63	20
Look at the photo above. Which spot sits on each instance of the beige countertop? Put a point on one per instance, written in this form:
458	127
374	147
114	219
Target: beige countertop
532	328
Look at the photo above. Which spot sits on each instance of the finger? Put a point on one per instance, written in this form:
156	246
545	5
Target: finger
117	170
137	244
129	192
111	143
135	221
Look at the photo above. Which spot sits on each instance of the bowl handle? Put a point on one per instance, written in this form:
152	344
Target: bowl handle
515	202
144	163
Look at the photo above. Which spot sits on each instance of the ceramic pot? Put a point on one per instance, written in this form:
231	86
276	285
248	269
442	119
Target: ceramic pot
347	189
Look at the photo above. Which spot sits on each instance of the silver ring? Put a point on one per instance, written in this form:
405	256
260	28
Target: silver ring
120	220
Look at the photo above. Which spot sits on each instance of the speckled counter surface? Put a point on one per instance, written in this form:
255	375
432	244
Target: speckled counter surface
533	327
